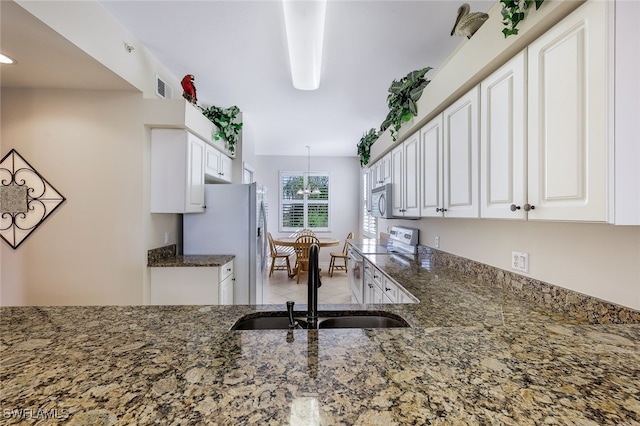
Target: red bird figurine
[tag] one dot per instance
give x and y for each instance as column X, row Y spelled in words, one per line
column 189, row 89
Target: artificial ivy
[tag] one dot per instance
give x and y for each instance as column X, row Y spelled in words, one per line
column 225, row 121
column 364, row 147
column 402, row 98
column 513, row 11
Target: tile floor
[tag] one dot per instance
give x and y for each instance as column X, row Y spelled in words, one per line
column 334, row 289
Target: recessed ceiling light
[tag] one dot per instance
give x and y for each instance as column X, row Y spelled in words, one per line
column 4, row 59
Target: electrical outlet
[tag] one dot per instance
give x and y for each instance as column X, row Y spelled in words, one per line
column 520, row 261
column 437, row 242
column 166, row 238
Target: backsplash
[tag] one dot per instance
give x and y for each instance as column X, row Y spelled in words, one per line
column 569, row 302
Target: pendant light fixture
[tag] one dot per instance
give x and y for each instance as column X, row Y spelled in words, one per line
column 304, row 24
column 308, row 190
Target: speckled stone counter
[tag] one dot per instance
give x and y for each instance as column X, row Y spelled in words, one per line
column 475, row 355
column 166, row 257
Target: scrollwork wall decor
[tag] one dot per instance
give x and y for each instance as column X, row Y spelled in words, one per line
column 26, row 199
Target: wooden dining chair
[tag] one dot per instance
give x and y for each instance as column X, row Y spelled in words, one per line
column 342, row 255
column 275, row 255
column 301, row 247
column 305, row 232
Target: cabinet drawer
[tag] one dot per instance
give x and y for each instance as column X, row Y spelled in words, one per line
column 225, row 271
column 390, row 289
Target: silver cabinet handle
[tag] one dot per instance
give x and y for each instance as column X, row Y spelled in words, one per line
column 528, row 207
column 513, row 207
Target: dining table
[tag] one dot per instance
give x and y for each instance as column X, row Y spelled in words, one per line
column 322, row 241
column 290, row 241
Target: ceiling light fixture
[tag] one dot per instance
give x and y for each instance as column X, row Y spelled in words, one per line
column 307, row 190
column 4, row 59
column 304, row 22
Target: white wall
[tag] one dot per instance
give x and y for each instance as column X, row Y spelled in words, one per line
column 93, row 148
column 599, row 260
column 345, row 175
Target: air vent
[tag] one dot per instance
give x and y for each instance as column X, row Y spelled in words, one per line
column 163, row 90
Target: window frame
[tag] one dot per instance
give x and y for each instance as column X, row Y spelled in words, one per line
column 368, row 223
column 305, row 200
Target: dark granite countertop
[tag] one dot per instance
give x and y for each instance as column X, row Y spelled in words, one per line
column 192, row 260
column 166, row 257
column 476, row 354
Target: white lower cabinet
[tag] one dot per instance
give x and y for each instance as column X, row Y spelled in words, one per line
column 211, row 285
column 379, row 288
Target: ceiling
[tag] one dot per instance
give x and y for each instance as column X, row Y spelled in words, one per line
column 237, row 52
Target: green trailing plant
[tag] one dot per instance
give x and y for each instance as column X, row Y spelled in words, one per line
column 402, row 98
column 227, row 126
column 513, row 11
column 364, row 146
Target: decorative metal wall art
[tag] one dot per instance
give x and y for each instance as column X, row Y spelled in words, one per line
column 26, row 199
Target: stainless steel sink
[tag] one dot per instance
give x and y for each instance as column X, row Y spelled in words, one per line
column 362, row 321
column 328, row 319
column 264, row 323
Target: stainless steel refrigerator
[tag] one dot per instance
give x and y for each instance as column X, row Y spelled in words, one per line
column 234, row 222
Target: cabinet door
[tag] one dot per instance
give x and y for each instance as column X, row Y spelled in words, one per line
column 411, row 184
column 212, row 162
column 225, row 168
column 390, row 290
column 431, row 173
column 184, row 286
column 397, row 180
column 375, row 177
column 503, row 142
column 225, row 294
column 567, row 152
column 461, row 152
column 384, row 172
column 194, row 201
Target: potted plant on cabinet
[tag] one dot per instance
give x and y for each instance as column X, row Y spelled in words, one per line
column 225, row 120
column 364, row 146
column 402, row 98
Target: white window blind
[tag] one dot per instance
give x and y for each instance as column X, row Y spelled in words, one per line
column 298, row 211
column 369, row 223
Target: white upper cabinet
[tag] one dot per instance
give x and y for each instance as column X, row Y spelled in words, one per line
column 503, row 160
column 212, row 162
column 405, row 160
column 397, row 174
column 461, row 152
column 431, row 169
column 411, row 190
column 567, row 118
column 177, row 171
column 381, row 172
column 217, row 166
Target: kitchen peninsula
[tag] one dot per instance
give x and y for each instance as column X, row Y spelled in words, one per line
column 475, row 354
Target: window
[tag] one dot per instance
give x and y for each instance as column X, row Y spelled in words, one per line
column 298, row 211
column 369, row 223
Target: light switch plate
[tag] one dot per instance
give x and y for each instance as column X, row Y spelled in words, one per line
column 520, row 261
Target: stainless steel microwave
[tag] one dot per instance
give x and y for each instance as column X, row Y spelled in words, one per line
column 381, row 201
